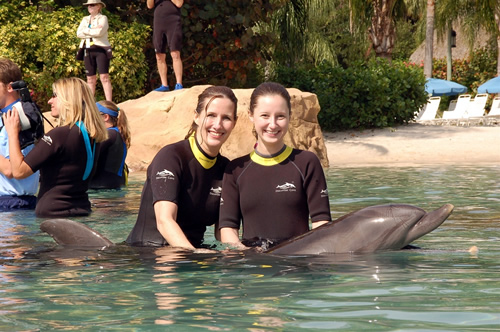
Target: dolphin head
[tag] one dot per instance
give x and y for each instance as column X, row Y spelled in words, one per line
column 379, row 227
column 71, row 233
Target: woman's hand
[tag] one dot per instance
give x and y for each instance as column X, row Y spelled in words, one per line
column 11, row 122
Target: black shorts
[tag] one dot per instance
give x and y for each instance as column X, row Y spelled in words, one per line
column 96, row 59
column 167, row 28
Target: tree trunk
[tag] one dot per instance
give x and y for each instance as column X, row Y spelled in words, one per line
column 429, row 39
column 383, row 32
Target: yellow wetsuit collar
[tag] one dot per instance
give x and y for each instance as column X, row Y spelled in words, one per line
column 204, row 160
column 272, row 160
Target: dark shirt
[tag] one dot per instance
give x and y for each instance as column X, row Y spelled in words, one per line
column 177, row 175
column 61, row 157
column 109, row 173
column 274, row 197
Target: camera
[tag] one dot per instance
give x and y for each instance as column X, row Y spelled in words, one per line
column 22, row 88
column 24, row 93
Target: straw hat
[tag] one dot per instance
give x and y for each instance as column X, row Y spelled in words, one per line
column 94, row 2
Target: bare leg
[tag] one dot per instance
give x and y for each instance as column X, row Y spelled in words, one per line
column 162, row 67
column 106, row 85
column 91, row 81
column 177, row 65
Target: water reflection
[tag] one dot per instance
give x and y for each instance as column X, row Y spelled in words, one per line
column 441, row 287
column 167, row 299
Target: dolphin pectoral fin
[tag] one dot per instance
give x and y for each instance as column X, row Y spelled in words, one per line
column 429, row 222
column 71, row 233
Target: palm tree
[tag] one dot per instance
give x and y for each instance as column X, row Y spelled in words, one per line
column 429, row 39
column 299, row 25
column 378, row 18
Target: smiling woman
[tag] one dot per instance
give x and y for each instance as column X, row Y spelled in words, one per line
column 181, row 196
column 276, row 188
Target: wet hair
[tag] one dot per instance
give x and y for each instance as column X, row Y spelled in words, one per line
column 206, row 98
column 121, row 122
column 9, row 71
column 76, row 103
column 269, row 89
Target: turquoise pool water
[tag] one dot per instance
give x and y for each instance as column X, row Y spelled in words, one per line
column 441, row 287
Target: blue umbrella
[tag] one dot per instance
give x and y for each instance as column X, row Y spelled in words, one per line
column 437, row 87
column 491, row 86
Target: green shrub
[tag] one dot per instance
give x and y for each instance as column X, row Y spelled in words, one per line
column 44, row 45
column 471, row 72
column 371, row 95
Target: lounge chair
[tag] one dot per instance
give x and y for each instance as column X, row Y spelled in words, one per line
column 452, row 105
column 429, row 110
column 494, row 115
column 475, row 111
column 458, row 113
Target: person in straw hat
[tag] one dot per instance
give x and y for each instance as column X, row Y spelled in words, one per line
column 93, row 32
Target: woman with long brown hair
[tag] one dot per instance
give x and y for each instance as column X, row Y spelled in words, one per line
column 181, row 196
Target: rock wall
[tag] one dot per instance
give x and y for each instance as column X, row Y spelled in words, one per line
column 161, row 118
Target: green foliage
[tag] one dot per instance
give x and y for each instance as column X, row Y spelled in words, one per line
column 471, row 72
column 375, row 94
column 222, row 40
column 406, row 42
column 44, row 45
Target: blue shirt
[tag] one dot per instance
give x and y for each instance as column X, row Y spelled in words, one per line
column 13, row 187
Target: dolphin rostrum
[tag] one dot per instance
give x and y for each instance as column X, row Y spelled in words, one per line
column 379, row 227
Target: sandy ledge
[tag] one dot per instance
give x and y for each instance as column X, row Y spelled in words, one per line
column 414, row 145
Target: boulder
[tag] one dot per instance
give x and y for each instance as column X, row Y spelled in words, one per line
column 161, row 118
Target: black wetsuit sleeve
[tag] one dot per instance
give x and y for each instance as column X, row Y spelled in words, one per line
column 230, row 212
column 316, row 189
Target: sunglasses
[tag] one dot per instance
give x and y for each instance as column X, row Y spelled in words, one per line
column 92, row 5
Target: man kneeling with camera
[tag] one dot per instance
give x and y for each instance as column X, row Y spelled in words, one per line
column 17, row 194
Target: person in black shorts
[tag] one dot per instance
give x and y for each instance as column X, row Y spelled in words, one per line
column 93, row 32
column 167, row 30
column 274, row 190
column 111, row 171
column 66, row 155
column 181, row 195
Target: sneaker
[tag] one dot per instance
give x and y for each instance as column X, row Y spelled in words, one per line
column 162, row 88
column 178, row 86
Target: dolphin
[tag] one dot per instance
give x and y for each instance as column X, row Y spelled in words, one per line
column 374, row 228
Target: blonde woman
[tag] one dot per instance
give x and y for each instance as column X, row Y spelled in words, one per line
column 111, row 171
column 93, row 32
column 66, row 155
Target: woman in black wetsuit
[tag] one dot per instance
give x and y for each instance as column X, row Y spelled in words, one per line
column 112, row 172
column 274, row 191
column 181, row 196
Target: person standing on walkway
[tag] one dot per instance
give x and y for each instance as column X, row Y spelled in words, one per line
column 167, row 31
column 93, row 32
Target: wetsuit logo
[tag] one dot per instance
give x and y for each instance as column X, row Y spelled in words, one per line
column 286, row 187
column 47, row 139
column 165, row 175
column 216, row 191
column 324, row 193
